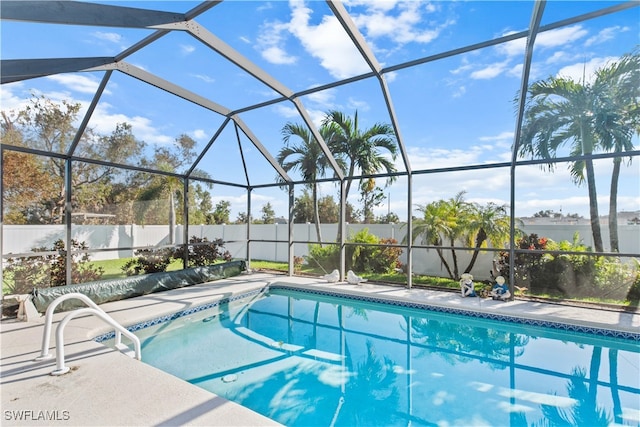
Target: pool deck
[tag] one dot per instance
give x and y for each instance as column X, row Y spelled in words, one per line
column 108, row 388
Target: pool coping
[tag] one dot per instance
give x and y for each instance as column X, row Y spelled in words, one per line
column 106, row 387
column 555, row 325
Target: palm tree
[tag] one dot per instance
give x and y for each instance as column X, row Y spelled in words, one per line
column 561, row 110
column 488, row 223
column 306, row 157
column 619, row 122
column 170, row 159
column 444, row 220
column 361, row 149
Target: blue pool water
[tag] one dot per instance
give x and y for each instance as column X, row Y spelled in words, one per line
column 305, row 359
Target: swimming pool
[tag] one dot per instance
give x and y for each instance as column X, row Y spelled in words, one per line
column 312, row 359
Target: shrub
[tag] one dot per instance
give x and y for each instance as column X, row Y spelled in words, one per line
column 203, row 252
column 360, row 258
column 148, row 261
column 326, row 257
column 633, row 295
column 24, row 274
column 571, row 275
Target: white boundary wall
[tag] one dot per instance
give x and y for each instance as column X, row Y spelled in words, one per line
column 20, row 239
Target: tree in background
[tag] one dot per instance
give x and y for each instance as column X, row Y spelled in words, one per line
column 329, row 210
column 50, row 126
column 306, row 156
column 388, row 218
column 587, row 116
column 456, row 220
column 242, row 218
column 371, row 150
column 268, row 214
column 221, row 212
column 487, row 224
column 371, row 197
column 303, row 208
column 25, row 182
column 619, row 124
column 444, row 221
column 26, row 189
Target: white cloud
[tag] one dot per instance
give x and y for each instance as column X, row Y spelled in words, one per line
column 10, row 100
column 391, row 76
column 325, row 98
column 605, row 35
column 271, row 43
column 514, row 47
column 552, row 38
column 354, row 104
column 403, row 26
column 502, row 137
column 204, row 78
column 104, row 122
column 490, row 71
column 82, row 83
column 466, row 66
column 558, row 56
column 199, row 134
column 286, row 111
column 584, row 71
column 187, row 49
column 264, row 6
column 459, row 92
column 560, row 37
column 515, row 71
column 109, row 37
column 277, row 55
column 433, row 158
column 328, row 42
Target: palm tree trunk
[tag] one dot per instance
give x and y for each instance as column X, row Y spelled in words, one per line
column 314, row 192
column 346, row 195
column 455, row 262
column 593, row 206
column 445, row 263
column 613, row 207
column 172, row 219
column 482, row 236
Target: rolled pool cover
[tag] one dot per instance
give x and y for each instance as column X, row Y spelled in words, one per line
column 101, row 291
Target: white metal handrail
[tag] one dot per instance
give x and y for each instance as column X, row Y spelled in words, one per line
column 92, row 309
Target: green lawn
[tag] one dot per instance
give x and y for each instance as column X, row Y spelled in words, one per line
column 113, row 267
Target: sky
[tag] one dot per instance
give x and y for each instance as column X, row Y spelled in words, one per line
column 453, row 112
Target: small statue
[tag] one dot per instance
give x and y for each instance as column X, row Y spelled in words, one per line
column 500, row 290
column 467, row 286
column 332, row 277
column 354, row 279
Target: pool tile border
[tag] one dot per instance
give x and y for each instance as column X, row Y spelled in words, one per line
column 166, row 318
column 603, row 332
column 627, row 335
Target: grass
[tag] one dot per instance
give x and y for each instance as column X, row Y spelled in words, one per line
column 269, row 265
column 396, row 278
column 113, row 267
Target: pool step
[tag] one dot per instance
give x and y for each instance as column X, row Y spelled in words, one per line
column 126, row 350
